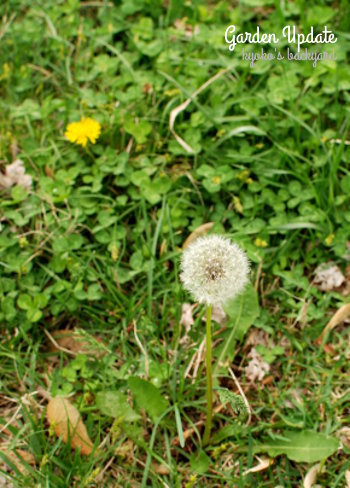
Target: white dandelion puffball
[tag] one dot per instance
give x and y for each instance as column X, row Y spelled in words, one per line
column 214, row 269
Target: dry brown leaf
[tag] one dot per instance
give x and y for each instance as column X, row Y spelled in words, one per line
column 347, row 478
column 27, row 456
column 199, row 231
column 186, row 315
column 346, row 288
column 67, row 423
column 218, row 315
column 257, row 337
column 15, row 174
column 295, row 394
column 188, row 29
column 12, row 455
column 328, row 276
column 126, row 451
column 71, row 340
column 160, row 468
column 311, row 476
column 264, row 463
column 256, row 368
column 163, row 247
column 49, row 172
column 337, row 319
column 187, row 321
column 5, row 483
column 344, row 436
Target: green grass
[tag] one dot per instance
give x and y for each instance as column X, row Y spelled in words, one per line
column 95, row 244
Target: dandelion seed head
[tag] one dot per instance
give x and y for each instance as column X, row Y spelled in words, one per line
column 214, row 269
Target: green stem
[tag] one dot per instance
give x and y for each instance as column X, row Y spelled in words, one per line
column 208, row 420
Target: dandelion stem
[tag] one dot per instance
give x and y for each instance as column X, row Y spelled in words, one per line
column 208, row 420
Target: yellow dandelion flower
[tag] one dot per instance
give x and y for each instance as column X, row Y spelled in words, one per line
column 83, row 131
column 243, row 175
column 237, row 205
column 329, row 239
column 6, row 71
column 260, row 242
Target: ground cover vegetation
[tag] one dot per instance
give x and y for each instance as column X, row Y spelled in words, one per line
column 101, row 186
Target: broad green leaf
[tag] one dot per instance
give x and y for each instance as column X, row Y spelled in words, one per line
column 148, row 397
column 142, row 29
column 19, row 193
column 151, row 194
column 140, row 178
column 283, row 88
column 134, row 432
column 231, row 430
column 200, row 462
column 151, row 49
column 242, row 311
column 320, row 15
column 212, row 185
column 136, row 260
column 269, row 354
column 304, row 447
column 34, row 315
column 29, row 108
column 124, row 275
column 115, row 404
column 25, row 301
column 40, row 300
column 139, row 130
column 345, row 184
column 94, row 292
column 161, row 184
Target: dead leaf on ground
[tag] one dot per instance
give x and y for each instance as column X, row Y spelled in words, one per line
column 344, row 436
column 160, row 468
column 5, row 483
column 218, row 315
column 188, row 29
column 15, row 174
column 187, row 321
column 311, row 476
column 15, row 455
column 328, row 276
column 73, row 341
column 67, row 423
column 126, row 451
column 346, row 287
column 256, row 368
column 186, row 315
column 198, row 232
column 163, row 247
column 347, row 478
column 297, row 395
column 337, row 319
column 264, row 463
column 257, row 337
